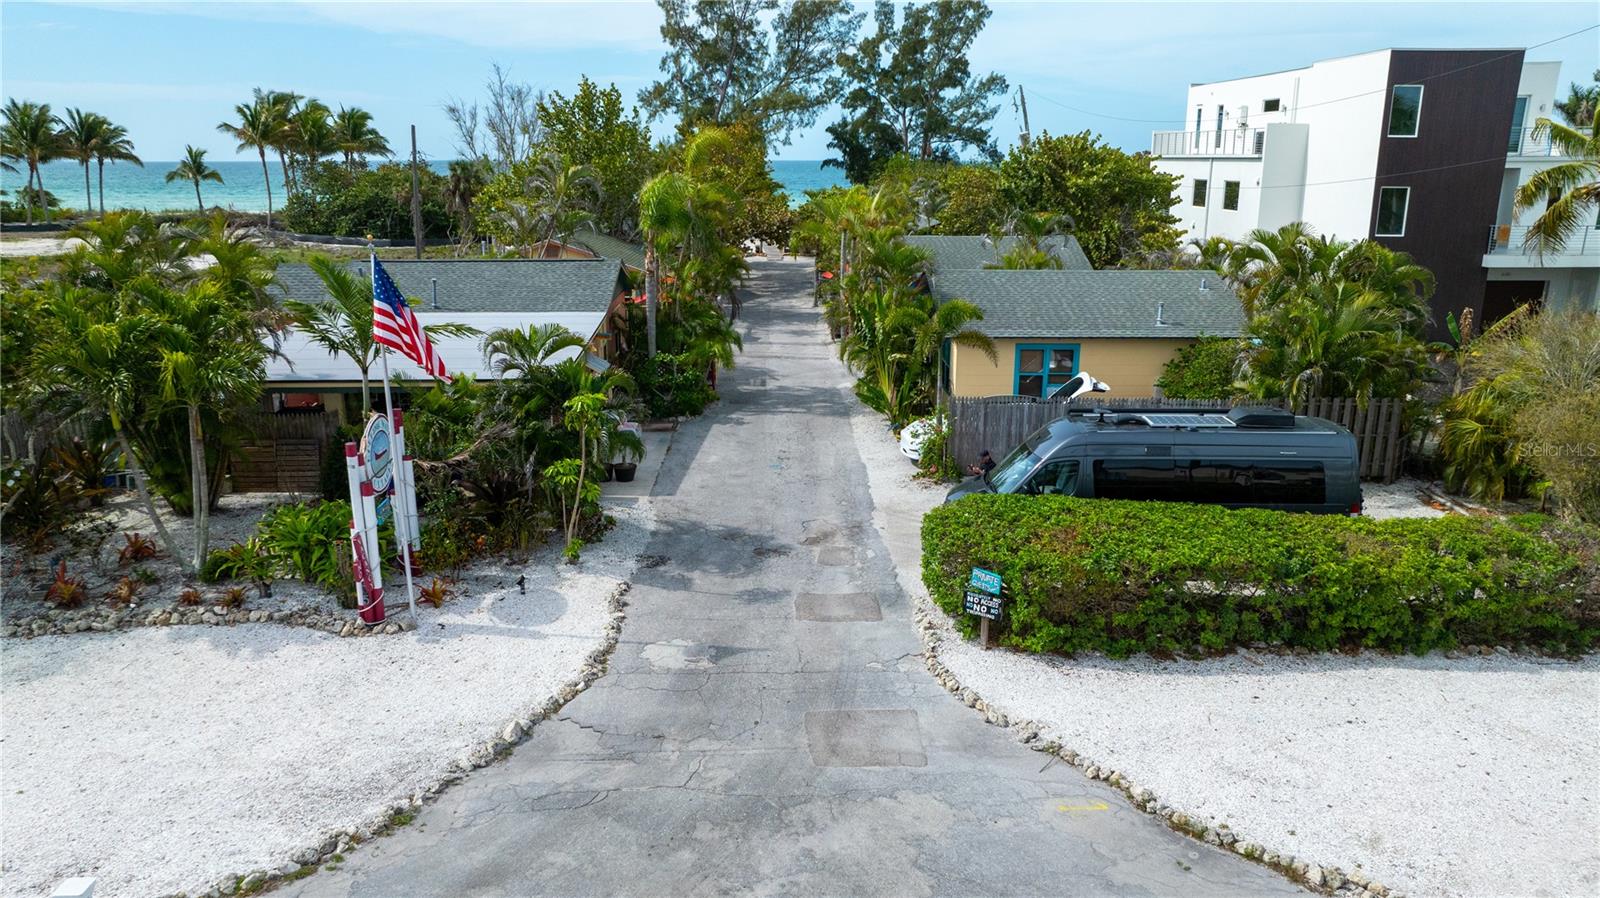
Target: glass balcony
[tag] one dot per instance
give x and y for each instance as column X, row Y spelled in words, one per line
column 1238, row 142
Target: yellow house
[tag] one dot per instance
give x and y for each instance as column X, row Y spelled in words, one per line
column 1047, row 326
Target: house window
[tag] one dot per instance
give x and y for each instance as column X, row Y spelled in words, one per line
column 1393, row 203
column 1271, row 105
column 1043, row 368
column 1519, row 120
column 1198, row 112
column 1405, row 110
column 1230, row 194
column 1219, row 126
column 1199, row 191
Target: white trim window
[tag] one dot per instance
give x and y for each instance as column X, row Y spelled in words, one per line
column 1405, row 110
column 1394, row 204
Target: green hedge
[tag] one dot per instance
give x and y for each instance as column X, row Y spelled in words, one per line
column 1126, row 577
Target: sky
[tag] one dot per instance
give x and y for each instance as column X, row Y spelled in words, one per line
column 170, row 71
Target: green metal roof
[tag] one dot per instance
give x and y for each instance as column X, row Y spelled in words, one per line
column 951, row 253
column 482, row 285
column 607, row 247
column 1087, row 304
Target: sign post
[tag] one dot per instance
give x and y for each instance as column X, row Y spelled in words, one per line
column 982, row 598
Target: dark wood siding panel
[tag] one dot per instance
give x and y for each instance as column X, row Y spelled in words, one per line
column 1453, row 166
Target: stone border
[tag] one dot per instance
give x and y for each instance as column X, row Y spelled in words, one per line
column 105, row 620
column 1326, row 879
column 332, row 850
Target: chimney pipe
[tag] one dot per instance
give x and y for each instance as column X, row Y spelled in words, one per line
column 1161, row 309
column 435, row 292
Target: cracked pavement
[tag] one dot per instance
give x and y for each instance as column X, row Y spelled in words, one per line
column 711, row 758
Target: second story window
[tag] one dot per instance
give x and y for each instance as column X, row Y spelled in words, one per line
column 1199, row 191
column 1405, row 110
column 1271, row 105
column 1393, row 204
column 1230, row 194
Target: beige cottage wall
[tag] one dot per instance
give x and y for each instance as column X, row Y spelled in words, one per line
column 1130, row 366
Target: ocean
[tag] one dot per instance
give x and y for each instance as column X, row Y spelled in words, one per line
column 131, row 187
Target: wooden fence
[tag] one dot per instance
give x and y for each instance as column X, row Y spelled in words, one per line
column 19, row 440
column 283, row 453
column 999, row 423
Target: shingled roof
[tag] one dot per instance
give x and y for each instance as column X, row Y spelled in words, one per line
column 532, row 286
column 607, row 247
column 953, row 253
column 1061, row 304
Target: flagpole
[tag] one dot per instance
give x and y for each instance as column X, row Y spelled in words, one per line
column 388, row 410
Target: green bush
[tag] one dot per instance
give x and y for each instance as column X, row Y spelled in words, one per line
column 672, row 386
column 1201, row 370
column 1125, row 577
column 335, row 200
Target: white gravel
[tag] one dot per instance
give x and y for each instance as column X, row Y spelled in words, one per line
column 1433, row 776
column 38, row 246
column 161, row 758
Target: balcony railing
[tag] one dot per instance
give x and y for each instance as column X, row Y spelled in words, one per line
column 1228, row 142
column 1507, row 240
column 1525, row 143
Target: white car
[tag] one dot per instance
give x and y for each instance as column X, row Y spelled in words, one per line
column 915, row 435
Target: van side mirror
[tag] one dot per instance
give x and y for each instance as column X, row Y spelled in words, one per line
column 1100, row 387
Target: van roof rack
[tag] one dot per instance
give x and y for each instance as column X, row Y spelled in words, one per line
column 1247, row 416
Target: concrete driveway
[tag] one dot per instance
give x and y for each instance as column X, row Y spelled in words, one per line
column 766, row 726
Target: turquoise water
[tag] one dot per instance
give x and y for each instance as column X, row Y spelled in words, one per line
column 128, row 186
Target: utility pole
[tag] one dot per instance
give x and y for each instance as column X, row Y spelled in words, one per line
column 416, row 196
column 1026, row 131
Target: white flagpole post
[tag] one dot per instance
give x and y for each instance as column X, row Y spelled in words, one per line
column 397, row 504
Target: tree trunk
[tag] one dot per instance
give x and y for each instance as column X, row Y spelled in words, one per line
column 366, row 395
column 197, row 200
column 199, row 487
column 88, row 194
column 266, row 175
column 27, row 192
column 143, row 490
column 283, row 160
column 652, row 294
column 101, row 177
column 43, row 200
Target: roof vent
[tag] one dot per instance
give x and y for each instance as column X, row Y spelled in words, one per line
column 435, row 304
column 1205, row 285
column 1161, row 314
column 1261, row 416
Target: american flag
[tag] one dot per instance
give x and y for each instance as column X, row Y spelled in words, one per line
column 396, row 326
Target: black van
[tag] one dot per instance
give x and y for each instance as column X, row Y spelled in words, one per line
column 1243, row 457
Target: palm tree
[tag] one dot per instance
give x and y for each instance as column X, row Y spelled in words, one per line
column 1575, row 184
column 103, row 355
column 512, row 352
column 281, row 108
column 565, row 196
column 1334, row 338
column 342, row 324
column 115, row 146
column 194, row 168
column 664, row 216
column 356, row 138
column 210, row 357
column 467, row 177
column 255, row 131
column 311, row 134
column 1031, row 232
column 30, row 136
column 80, row 136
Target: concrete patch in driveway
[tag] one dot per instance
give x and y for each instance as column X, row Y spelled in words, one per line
column 837, row 607
column 865, row 738
column 836, row 556
column 677, row 654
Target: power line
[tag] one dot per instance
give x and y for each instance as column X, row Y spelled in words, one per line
column 1168, row 121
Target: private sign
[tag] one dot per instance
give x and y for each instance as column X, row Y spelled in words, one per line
column 983, row 594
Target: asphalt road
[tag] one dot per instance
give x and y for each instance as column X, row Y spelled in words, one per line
column 766, row 726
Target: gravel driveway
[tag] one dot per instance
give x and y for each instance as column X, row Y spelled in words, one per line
column 162, row 758
column 1434, row 776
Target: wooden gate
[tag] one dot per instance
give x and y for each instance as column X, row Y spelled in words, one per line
column 284, row 453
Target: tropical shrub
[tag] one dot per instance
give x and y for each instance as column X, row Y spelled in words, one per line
column 1124, row 577
column 305, row 538
column 136, row 548
column 934, row 461
column 249, row 560
column 334, row 199
column 66, row 591
column 125, row 593
column 1201, row 370
column 672, row 385
column 39, row 501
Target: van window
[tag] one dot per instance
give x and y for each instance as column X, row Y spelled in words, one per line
column 1056, row 478
column 1275, row 482
column 1140, row 478
column 1009, row 473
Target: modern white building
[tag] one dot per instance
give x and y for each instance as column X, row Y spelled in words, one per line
column 1421, row 150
